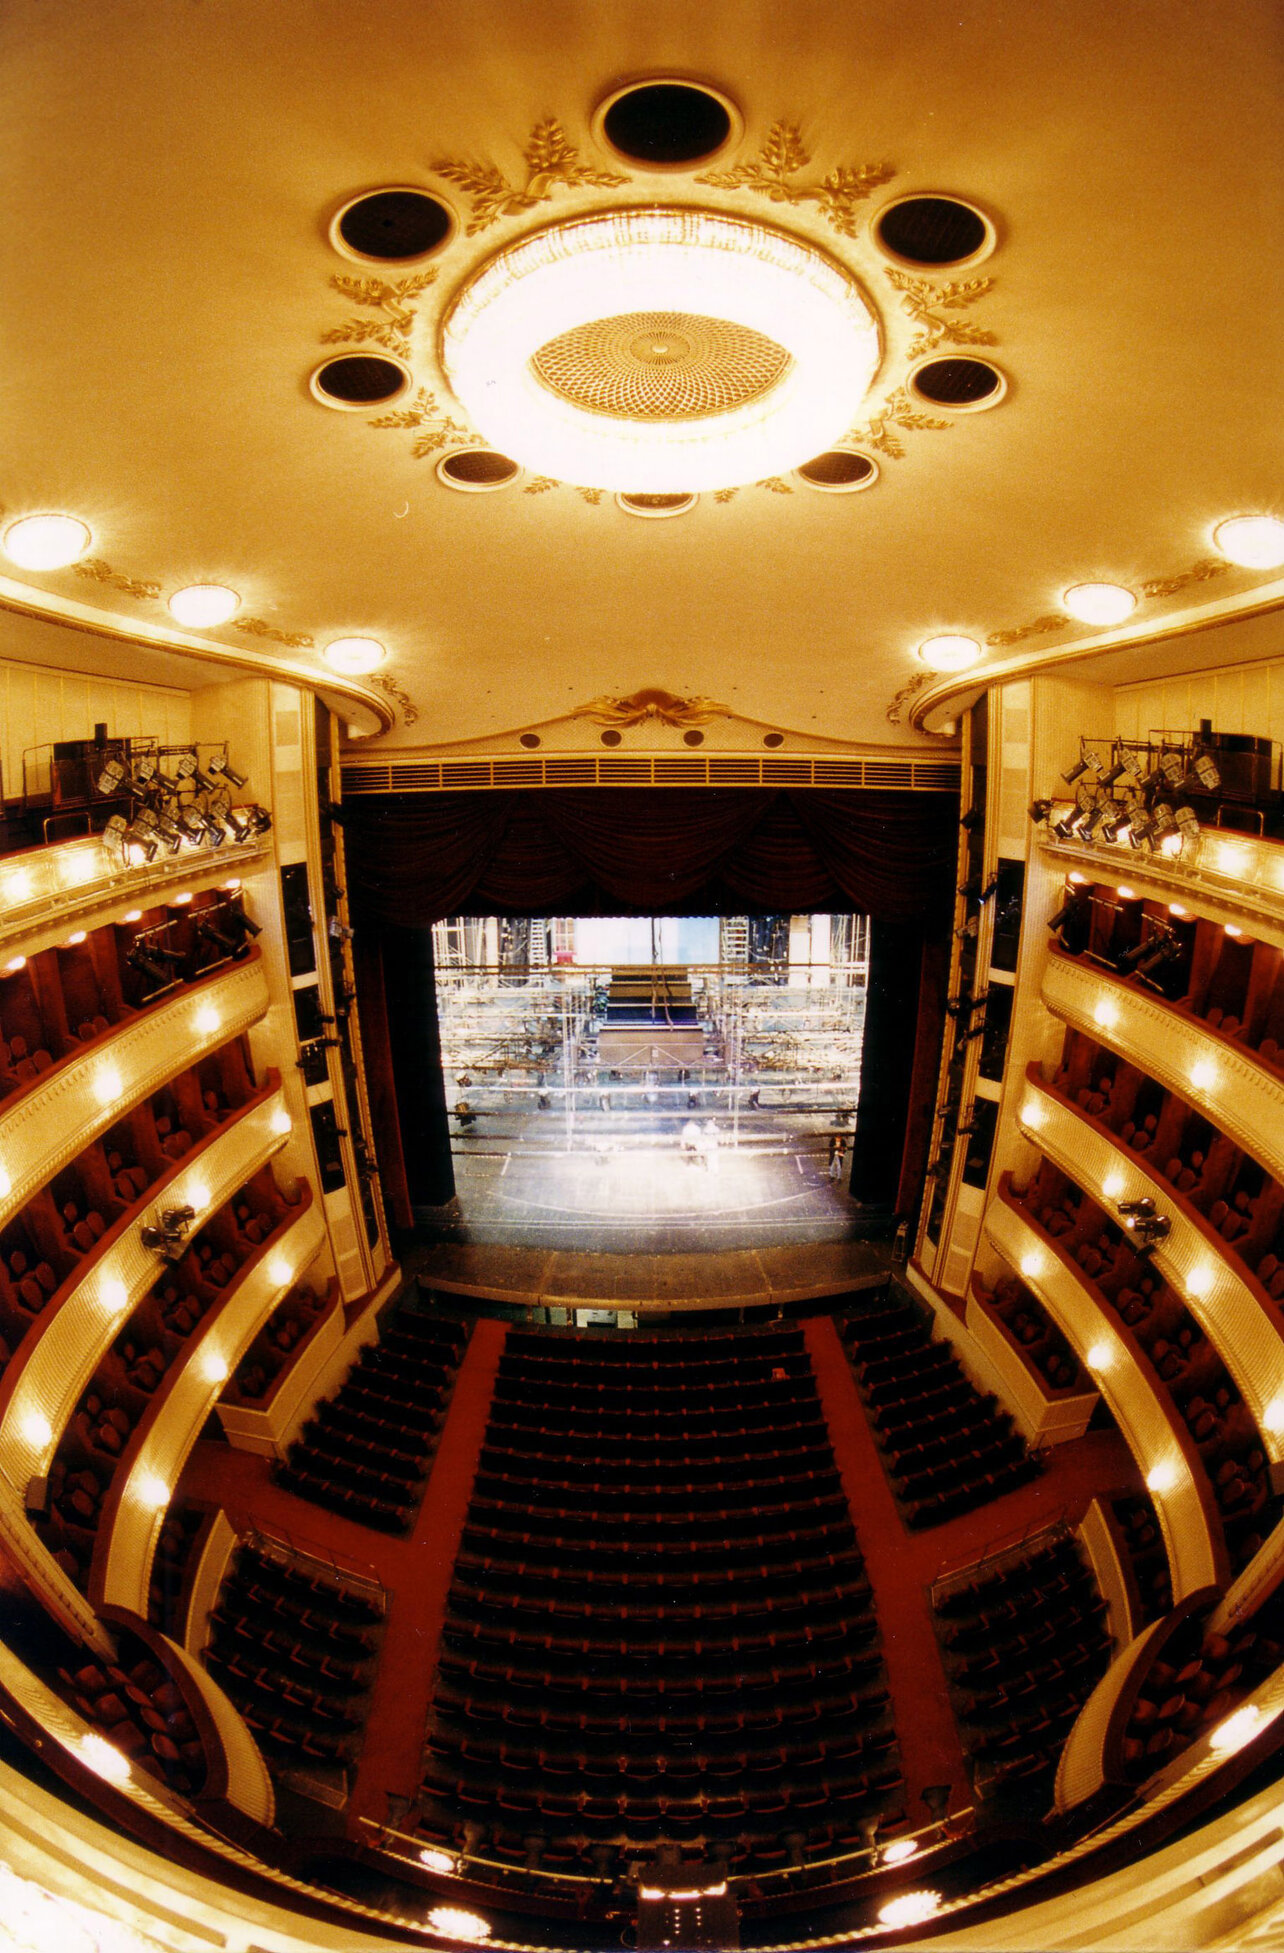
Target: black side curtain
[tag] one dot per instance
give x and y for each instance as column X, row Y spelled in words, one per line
column 416, row 858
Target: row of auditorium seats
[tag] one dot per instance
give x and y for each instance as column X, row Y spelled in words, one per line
column 1198, row 1679
column 295, row 1649
column 659, row 1624
column 69, row 995
column 1032, row 1329
column 96, row 1441
column 1237, row 1198
column 269, row 1355
column 183, row 1527
column 365, row 1452
column 1143, row 1545
column 139, row 1710
column 1184, row 1364
column 1024, row 1646
column 946, row 1449
column 43, row 1246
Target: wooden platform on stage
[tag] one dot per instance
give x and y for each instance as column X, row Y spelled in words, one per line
column 641, row 1045
column 657, row 1284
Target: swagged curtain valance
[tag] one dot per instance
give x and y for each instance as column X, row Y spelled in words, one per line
column 416, row 858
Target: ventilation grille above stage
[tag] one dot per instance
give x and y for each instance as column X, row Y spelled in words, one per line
column 660, row 770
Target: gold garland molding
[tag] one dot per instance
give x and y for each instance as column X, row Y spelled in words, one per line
column 929, row 306
column 897, row 411
column 652, row 703
column 437, row 429
column 552, row 161
column 256, row 627
column 1054, row 621
column 782, row 155
column 391, row 689
column 393, row 301
column 133, row 586
column 912, row 687
column 1201, row 572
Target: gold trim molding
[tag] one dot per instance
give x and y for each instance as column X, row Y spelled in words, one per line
column 393, row 329
column 552, row 161
column 651, row 703
column 780, row 158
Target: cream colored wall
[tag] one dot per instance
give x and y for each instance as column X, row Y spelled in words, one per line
column 1237, row 698
column 39, row 705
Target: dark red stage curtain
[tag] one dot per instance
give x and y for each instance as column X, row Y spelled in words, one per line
column 416, row 858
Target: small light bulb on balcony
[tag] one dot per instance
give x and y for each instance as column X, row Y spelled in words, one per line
column 1032, row 1113
column 1232, row 929
column 899, row 1850
column 207, row 1020
column 232, row 886
column 152, row 1492
column 1113, row 1185
column 1075, row 877
column 17, row 887
column 180, row 901
column 6, row 1184
column 1106, row 1013
column 1161, row 1478
column 1237, row 1729
column 280, row 1121
column 1199, row 1282
column 1171, row 845
column 215, row 1368
column 77, row 937
column 1203, row 1074
column 15, row 964
column 198, row 1195
column 436, row 1859
column 1126, row 894
column 1273, row 1415
column 108, row 1085
column 279, row 1271
column 910, row 1909
column 36, row 1429
column 452, row 1922
column 1178, row 908
column 1032, row 1266
column 133, row 915
column 1099, row 1357
column 113, row 1295
column 104, row 1758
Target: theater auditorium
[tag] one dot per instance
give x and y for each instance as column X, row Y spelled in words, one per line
column 641, row 976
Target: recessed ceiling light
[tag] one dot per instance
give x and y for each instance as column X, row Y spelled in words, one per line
column 1099, row 603
column 949, row 652
column 354, row 656
column 1254, row 541
column 202, row 605
column 45, row 542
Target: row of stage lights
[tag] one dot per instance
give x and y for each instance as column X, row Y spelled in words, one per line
column 1133, row 801
column 190, row 807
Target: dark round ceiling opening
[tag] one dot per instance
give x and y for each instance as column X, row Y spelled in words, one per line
column 839, row 468
column 667, row 123
column 656, row 504
column 957, row 382
column 479, row 468
column 932, row 230
column 395, row 225
column 360, row 379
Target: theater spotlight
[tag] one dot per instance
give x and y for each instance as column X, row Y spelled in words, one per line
column 1086, row 763
column 111, row 779
column 1039, row 811
column 248, row 822
column 142, row 776
column 1137, row 1209
column 1092, row 821
column 1069, row 908
column 1150, row 1232
column 1188, row 826
column 1124, row 768
column 209, row 932
column 1066, row 828
column 218, row 766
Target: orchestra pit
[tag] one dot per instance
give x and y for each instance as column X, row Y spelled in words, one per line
column 641, row 977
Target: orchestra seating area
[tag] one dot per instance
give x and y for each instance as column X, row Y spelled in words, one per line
column 945, row 1447
column 296, row 1651
column 659, row 1623
column 1024, row 1647
column 366, row 1451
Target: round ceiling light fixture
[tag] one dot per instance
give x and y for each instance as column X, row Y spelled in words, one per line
column 354, row 656
column 1256, row 542
column 1099, row 603
column 202, row 605
column 949, row 652
column 45, row 542
column 661, row 351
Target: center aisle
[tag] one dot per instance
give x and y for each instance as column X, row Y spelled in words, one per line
column 392, row 1753
column 925, row 1728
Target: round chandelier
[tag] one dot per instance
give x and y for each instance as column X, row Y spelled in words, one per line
column 661, row 351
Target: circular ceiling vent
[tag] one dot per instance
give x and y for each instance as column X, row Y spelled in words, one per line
column 656, row 506
column 666, row 124
column 960, row 384
column 935, row 231
column 357, row 380
column 839, row 471
column 475, row 470
column 395, row 226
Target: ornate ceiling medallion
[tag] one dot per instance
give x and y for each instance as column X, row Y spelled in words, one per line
column 660, row 351
column 651, row 703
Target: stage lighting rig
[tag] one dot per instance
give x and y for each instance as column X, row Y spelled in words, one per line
column 110, row 781
column 169, row 1238
column 1039, row 811
column 1087, row 762
column 217, row 765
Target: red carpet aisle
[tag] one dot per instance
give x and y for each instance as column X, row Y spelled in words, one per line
column 925, row 1728
column 902, row 1565
column 416, row 1572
